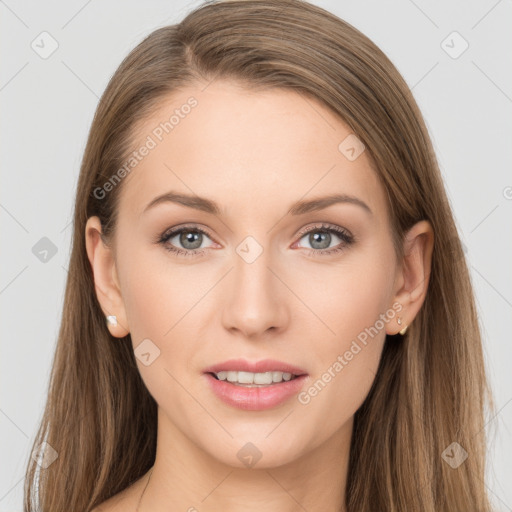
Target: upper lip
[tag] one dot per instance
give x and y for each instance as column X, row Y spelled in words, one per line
column 265, row 365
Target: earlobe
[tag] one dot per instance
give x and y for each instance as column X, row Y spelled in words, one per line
column 414, row 274
column 106, row 282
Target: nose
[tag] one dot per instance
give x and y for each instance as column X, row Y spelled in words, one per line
column 255, row 301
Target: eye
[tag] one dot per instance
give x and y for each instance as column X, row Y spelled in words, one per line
column 321, row 237
column 190, row 238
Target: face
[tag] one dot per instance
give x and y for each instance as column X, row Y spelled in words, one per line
column 256, row 280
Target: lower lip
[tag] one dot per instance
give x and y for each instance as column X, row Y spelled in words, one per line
column 256, row 398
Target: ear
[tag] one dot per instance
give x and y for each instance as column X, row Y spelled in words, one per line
column 413, row 274
column 106, row 282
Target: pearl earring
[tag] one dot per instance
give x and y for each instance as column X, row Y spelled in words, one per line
column 112, row 320
column 399, row 322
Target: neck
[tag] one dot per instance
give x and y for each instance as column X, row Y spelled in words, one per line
column 188, row 478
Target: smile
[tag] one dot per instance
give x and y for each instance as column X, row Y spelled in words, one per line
column 255, row 385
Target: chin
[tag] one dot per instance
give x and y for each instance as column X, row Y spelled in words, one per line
column 259, row 451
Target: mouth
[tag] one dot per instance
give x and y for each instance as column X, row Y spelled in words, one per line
column 255, row 386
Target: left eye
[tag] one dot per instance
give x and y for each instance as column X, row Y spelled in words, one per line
column 320, row 239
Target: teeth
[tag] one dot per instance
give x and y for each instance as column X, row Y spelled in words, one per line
column 265, row 378
column 245, row 377
column 232, row 376
column 277, row 376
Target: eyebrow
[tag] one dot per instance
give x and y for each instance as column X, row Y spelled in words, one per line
column 298, row 208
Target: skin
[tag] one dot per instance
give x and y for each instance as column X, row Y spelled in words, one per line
column 273, row 148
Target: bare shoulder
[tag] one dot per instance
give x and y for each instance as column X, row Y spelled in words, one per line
column 122, row 501
column 114, row 504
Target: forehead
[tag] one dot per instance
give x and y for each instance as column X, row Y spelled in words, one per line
column 246, row 150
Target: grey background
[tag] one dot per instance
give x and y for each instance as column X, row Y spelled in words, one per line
column 47, row 107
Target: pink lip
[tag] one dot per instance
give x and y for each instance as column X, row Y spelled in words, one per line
column 265, row 365
column 255, row 398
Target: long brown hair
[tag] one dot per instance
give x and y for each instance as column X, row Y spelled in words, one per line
column 430, row 389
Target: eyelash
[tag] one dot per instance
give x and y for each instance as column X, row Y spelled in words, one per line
column 345, row 236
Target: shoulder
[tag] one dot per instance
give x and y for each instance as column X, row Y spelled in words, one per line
column 113, row 504
column 122, row 501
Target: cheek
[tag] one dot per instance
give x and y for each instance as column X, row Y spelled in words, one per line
column 158, row 307
column 154, row 297
column 355, row 305
column 350, row 300
column 156, row 292
column 146, row 305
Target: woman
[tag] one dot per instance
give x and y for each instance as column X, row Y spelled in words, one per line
column 268, row 306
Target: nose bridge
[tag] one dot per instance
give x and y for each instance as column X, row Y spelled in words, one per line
column 255, row 302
